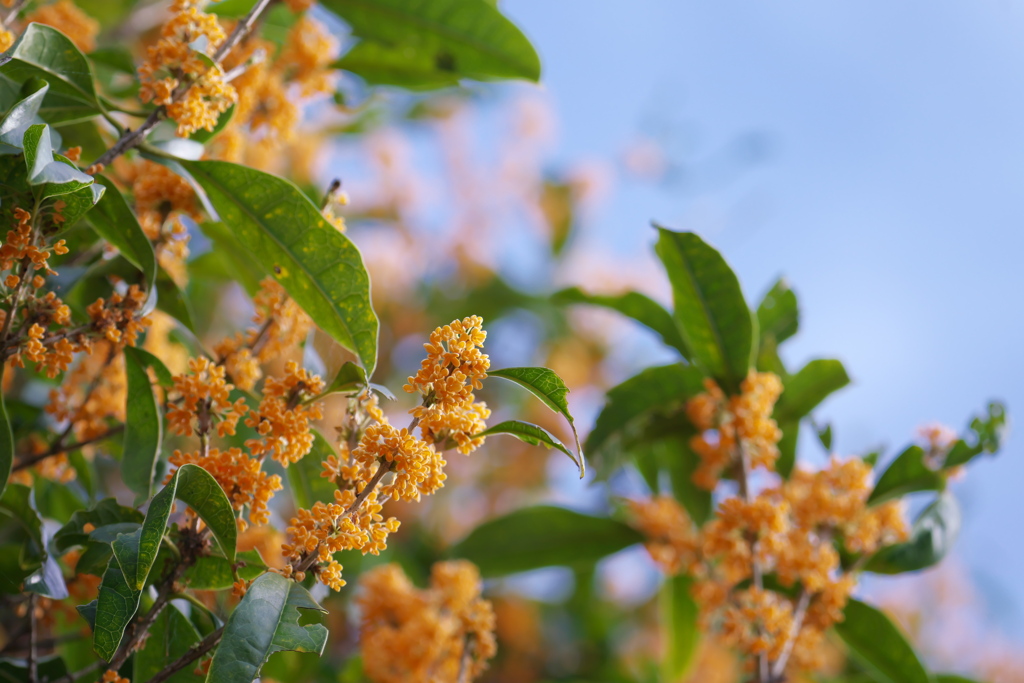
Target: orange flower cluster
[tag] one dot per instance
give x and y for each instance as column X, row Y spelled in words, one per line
column 280, row 325
column 307, row 56
column 204, row 399
column 64, row 16
column 441, row 633
column 453, row 369
column 790, row 532
column 7, row 39
column 241, row 477
column 162, row 197
column 282, row 420
column 390, row 463
column 734, row 424
column 93, row 392
column 118, row 319
column 173, row 65
column 111, row 676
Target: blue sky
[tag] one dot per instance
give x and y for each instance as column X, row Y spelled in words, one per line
column 890, row 196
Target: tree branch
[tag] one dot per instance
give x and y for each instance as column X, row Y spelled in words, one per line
column 193, row 653
column 58, row 448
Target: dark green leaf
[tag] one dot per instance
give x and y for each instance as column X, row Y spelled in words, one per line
column 163, row 375
column 429, row 44
column 17, row 501
column 531, row 434
column 543, row 536
column 679, row 616
column 787, row 446
column 116, row 605
column 203, row 136
column 825, row 436
column 115, row 222
column 907, row 473
column 778, row 315
column 934, row 532
column 879, row 645
column 266, row 621
column 46, row 53
column 805, row 390
column 104, row 513
column 47, row 669
column 680, row 461
column 212, row 572
column 318, row 266
column 639, row 307
column 304, row 478
column 630, row 406
column 546, row 385
column 713, row 317
column 143, row 427
column 172, row 301
column 170, row 636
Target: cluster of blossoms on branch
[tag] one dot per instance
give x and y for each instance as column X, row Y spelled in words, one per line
column 788, row 531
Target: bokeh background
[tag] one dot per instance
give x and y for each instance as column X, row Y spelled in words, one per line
column 871, row 153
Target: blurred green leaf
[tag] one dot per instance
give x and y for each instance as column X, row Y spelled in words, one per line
column 987, row 436
column 679, row 618
column 713, row 317
column 6, row 441
column 104, row 513
column 931, row 538
column 17, row 501
column 907, row 473
column 266, row 621
column 46, row 53
column 212, row 572
column 879, row 645
column 674, row 455
column 318, row 266
column 639, row 307
column 350, row 378
column 543, row 536
column 143, row 427
column 433, row 44
column 546, row 385
column 630, row 406
column 778, row 315
column 806, row 389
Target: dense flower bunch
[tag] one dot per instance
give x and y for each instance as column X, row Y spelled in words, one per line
column 176, row 76
column 388, row 463
column 282, row 418
column 242, row 478
column 791, row 531
column 441, row 633
column 162, row 198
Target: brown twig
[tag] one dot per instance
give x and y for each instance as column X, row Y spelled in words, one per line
column 33, row 669
column 58, row 448
column 193, row 653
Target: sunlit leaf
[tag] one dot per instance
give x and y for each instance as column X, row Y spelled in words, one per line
column 907, row 473
column 879, row 645
column 931, row 538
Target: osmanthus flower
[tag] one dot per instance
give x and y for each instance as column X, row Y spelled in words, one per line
column 92, row 393
column 67, row 18
column 174, row 75
column 728, row 424
column 162, row 198
column 282, row 418
column 203, row 398
column 240, row 475
column 111, row 676
column 672, row 538
column 307, row 55
column 431, row 634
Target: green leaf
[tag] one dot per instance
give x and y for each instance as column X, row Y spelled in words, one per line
column 630, row 406
column 546, row 385
column 430, row 44
column 143, row 427
column 778, row 315
column 163, row 375
column 116, row 605
column 47, row 579
column 679, row 616
column 47, row 669
column 639, row 307
column 531, row 434
column 6, row 441
column 170, row 636
column 931, row 538
column 319, row 267
column 350, row 379
column 787, row 446
column 266, row 621
column 44, row 52
column 805, row 390
column 306, row 484
column 47, row 176
column 18, row 119
column 543, row 536
column 115, row 222
column 987, row 436
column 212, row 572
column 879, row 645
column 226, row 244
column 713, row 317
column 172, row 301
column 104, row 513
column 906, row 474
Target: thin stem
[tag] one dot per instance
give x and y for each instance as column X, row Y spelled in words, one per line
column 779, row 669
column 33, row 669
column 57, row 449
column 13, row 12
column 193, row 653
column 743, row 479
column 242, row 28
column 75, row 675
